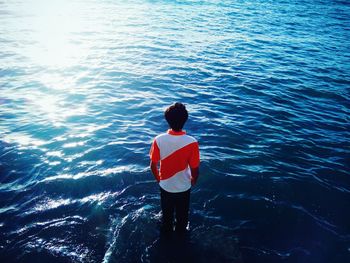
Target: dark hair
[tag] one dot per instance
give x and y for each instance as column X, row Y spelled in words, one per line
column 176, row 115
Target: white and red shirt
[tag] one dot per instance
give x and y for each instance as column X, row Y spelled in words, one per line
column 177, row 153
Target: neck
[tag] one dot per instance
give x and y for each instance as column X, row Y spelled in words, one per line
column 173, row 132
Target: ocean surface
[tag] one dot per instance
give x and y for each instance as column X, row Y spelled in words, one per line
column 83, row 88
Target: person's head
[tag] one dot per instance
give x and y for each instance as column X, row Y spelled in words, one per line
column 176, row 115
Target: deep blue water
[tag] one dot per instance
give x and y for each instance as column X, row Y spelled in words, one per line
column 83, row 87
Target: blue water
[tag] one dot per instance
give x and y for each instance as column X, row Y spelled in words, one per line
column 83, row 87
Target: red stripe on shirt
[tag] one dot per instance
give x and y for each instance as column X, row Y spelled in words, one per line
column 179, row 161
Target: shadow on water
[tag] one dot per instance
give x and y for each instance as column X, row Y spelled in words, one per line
column 137, row 238
column 200, row 245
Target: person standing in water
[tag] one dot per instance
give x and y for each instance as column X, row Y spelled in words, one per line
column 178, row 156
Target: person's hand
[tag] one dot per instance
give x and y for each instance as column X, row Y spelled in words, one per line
column 194, row 175
column 155, row 172
column 193, row 181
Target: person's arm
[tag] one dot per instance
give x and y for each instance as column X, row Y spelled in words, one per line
column 155, row 158
column 194, row 163
column 155, row 171
column 194, row 175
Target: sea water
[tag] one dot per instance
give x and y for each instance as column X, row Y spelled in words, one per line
column 83, row 88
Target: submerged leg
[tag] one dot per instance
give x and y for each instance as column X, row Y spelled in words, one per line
column 182, row 206
column 168, row 207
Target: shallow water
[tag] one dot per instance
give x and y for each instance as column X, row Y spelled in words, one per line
column 83, row 86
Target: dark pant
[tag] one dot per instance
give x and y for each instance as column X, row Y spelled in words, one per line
column 178, row 203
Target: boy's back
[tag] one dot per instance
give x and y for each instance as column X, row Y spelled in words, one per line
column 177, row 153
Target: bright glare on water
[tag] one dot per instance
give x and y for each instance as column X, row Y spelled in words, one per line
column 83, row 87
